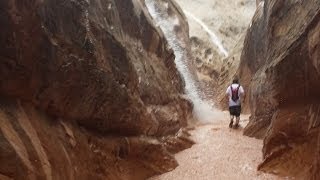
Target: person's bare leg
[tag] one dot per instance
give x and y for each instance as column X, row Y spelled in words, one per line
column 231, row 121
column 237, row 122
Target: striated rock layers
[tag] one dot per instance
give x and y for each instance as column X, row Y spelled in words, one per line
column 89, row 90
column 280, row 65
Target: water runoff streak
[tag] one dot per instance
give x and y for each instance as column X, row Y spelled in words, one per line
column 212, row 35
column 202, row 109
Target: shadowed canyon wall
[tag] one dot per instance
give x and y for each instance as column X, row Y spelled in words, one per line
column 89, row 90
column 280, row 66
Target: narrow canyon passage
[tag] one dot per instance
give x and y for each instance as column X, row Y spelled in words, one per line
column 131, row 90
column 219, row 153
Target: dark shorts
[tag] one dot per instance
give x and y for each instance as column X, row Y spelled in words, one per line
column 235, row 111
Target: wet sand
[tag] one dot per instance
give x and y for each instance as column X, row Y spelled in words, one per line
column 220, row 153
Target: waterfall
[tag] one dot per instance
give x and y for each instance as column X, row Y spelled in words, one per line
column 202, row 109
column 212, row 35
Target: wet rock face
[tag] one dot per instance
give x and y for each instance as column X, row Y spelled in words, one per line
column 37, row 146
column 280, row 61
column 207, row 63
column 228, row 20
column 99, row 64
column 83, row 60
column 258, row 2
column 229, row 70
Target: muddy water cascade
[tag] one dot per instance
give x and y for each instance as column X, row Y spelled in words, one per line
column 203, row 110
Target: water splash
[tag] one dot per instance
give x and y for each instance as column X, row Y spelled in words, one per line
column 202, row 109
column 212, row 35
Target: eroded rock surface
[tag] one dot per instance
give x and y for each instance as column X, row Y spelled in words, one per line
column 280, row 65
column 228, row 21
column 228, row 71
column 89, row 90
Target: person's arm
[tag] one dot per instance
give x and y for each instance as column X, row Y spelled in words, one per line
column 228, row 93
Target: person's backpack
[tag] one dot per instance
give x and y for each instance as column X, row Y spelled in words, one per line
column 235, row 93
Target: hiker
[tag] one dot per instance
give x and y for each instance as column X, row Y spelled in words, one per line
column 234, row 93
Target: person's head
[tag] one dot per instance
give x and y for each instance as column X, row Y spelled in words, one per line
column 235, row 80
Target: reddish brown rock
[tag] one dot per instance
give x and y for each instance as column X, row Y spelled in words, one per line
column 315, row 173
column 280, row 65
column 84, row 60
column 229, row 70
column 89, row 90
column 34, row 145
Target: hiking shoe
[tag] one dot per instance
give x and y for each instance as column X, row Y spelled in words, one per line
column 236, row 126
column 230, row 125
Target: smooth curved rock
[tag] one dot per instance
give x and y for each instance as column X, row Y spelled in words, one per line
column 280, row 65
column 83, row 60
column 97, row 85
